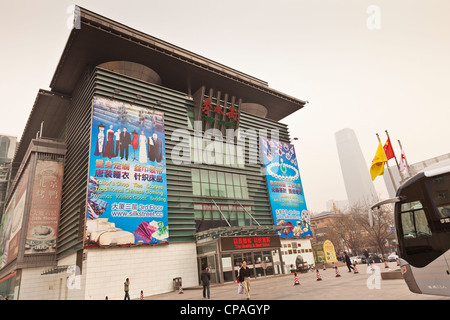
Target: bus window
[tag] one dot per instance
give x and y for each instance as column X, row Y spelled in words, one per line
column 439, row 191
column 414, row 223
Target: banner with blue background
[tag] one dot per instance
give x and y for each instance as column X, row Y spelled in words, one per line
column 285, row 188
column 127, row 190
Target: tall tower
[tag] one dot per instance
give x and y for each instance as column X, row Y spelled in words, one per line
column 358, row 184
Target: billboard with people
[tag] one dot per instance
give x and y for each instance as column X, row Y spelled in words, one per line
column 127, row 189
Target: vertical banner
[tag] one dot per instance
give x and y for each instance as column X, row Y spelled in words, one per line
column 45, row 206
column 127, row 190
column 11, row 224
column 285, row 188
column 330, row 253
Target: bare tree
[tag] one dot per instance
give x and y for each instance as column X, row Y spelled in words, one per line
column 379, row 233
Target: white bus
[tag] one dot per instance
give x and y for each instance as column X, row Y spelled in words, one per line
column 422, row 223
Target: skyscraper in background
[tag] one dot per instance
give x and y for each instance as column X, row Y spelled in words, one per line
column 358, row 184
column 7, row 150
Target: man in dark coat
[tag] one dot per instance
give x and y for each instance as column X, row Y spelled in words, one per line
column 348, row 262
column 206, row 277
column 125, row 141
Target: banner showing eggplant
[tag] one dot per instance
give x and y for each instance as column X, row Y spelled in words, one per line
column 127, row 190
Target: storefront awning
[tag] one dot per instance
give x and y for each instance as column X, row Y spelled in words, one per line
column 55, row 270
column 216, row 233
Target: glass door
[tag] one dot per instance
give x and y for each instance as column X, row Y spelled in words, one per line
column 258, row 264
column 237, row 263
column 267, row 263
column 227, row 268
column 209, row 261
column 248, row 257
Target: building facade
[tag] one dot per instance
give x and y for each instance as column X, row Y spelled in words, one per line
column 358, row 184
column 181, row 186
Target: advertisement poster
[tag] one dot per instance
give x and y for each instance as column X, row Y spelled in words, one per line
column 285, row 188
column 127, row 190
column 11, row 227
column 330, row 254
column 44, row 209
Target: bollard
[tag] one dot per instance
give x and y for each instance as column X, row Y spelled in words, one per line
column 337, row 272
column 296, row 281
column 318, row 275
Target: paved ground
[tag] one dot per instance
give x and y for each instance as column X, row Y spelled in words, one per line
column 349, row 286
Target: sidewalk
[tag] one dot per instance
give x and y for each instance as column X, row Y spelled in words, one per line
column 349, row 286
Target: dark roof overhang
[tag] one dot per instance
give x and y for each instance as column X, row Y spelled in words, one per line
column 48, row 114
column 99, row 39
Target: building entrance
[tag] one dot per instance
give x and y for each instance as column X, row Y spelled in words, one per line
column 224, row 257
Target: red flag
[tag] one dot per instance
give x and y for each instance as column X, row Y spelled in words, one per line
column 388, row 149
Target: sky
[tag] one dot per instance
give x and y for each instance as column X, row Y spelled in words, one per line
column 366, row 65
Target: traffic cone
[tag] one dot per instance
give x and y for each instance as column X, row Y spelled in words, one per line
column 180, row 291
column 142, row 295
column 355, row 270
column 296, row 282
column 318, row 275
column 337, row 272
column 385, row 264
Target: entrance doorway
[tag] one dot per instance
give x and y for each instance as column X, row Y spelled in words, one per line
column 260, row 263
column 209, row 261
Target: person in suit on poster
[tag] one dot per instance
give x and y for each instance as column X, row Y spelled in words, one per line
column 155, row 148
column 125, row 142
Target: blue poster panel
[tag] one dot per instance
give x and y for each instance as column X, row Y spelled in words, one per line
column 127, row 189
column 285, row 188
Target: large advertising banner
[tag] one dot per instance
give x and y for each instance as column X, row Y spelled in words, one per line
column 44, row 210
column 285, row 188
column 127, row 191
column 11, row 224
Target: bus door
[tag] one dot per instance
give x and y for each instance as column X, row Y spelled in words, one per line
column 438, row 189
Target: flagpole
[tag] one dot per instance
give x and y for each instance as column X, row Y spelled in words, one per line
column 395, row 157
column 407, row 163
column 390, row 173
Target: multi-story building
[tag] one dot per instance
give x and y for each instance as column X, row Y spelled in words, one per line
column 177, row 189
column 358, row 184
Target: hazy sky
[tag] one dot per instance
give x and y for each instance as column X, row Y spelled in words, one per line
column 394, row 78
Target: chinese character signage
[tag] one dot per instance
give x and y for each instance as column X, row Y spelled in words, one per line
column 127, row 191
column 249, row 242
column 226, row 116
column 44, row 209
column 285, row 188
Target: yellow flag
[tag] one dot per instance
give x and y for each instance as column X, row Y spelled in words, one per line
column 377, row 168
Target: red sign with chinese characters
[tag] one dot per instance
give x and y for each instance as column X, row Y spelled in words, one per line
column 232, row 113
column 250, row 243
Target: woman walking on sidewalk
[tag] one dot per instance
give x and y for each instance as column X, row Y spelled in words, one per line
column 244, row 278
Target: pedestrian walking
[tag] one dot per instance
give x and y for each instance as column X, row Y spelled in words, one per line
column 366, row 254
column 244, row 278
column 348, row 262
column 126, row 288
column 206, row 277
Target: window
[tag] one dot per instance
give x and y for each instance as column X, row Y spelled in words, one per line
column 210, row 183
column 208, row 216
column 217, row 152
column 439, row 191
column 414, row 221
